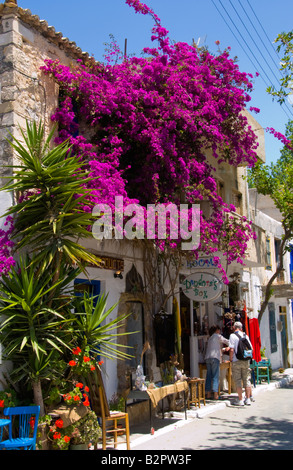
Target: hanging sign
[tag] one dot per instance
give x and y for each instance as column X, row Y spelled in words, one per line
column 202, row 287
column 206, row 263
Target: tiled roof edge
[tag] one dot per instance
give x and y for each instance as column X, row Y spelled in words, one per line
column 47, row 31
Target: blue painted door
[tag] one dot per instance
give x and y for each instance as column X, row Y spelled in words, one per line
column 92, row 287
column 84, row 285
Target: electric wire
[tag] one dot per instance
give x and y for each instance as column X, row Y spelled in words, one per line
column 261, row 26
column 249, row 34
column 243, row 39
column 260, row 38
column 249, row 49
column 264, row 45
column 255, row 67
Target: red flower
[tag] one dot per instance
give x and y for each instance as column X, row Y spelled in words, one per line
column 1, row 403
column 72, row 363
column 92, row 367
column 79, row 385
column 86, row 402
column 86, row 359
column 56, row 435
column 100, row 363
column 86, row 389
column 76, row 398
column 76, row 351
column 66, row 438
column 32, row 422
column 59, row 423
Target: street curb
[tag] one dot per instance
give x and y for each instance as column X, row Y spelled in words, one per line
column 210, row 409
column 258, row 389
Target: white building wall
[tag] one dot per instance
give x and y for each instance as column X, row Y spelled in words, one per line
column 269, row 219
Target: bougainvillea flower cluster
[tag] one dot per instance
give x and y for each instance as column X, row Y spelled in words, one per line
column 146, row 125
column 150, row 129
column 6, row 247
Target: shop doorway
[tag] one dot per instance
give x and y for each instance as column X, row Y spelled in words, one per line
column 164, row 333
column 185, row 331
column 135, row 341
column 193, row 327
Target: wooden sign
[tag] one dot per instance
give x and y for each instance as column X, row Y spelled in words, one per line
column 202, row 287
column 107, row 262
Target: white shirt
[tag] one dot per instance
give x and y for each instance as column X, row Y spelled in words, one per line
column 234, row 341
column 214, row 346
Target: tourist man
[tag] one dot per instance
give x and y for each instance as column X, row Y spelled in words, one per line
column 240, row 368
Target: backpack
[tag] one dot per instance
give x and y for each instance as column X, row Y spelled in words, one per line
column 244, row 351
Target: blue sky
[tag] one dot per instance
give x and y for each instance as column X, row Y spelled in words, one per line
column 249, row 27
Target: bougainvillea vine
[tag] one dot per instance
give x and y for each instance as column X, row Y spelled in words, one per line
column 151, row 129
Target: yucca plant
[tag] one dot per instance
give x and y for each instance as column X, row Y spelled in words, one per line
column 36, row 304
column 92, row 330
column 32, row 333
column 49, row 216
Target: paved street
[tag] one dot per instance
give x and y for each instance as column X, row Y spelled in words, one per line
column 266, row 424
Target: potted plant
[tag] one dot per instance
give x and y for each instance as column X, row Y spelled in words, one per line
column 58, row 436
column 263, row 353
column 117, row 403
column 86, row 432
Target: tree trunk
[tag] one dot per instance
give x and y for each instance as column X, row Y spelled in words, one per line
column 268, row 293
column 38, row 396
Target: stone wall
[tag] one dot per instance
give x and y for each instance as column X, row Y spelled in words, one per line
column 25, row 92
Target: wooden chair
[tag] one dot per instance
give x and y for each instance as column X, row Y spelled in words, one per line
column 197, row 392
column 110, row 419
column 263, row 370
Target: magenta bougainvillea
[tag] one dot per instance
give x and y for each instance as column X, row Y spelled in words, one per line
column 6, row 246
column 146, row 125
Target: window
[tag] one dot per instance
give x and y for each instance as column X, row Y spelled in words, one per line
column 268, row 253
column 277, row 249
column 236, row 201
column 221, row 189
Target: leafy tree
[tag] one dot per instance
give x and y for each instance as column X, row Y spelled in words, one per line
column 35, row 325
column 285, row 44
column 276, row 180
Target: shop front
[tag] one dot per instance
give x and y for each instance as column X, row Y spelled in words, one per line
column 200, row 293
column 205, row 301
